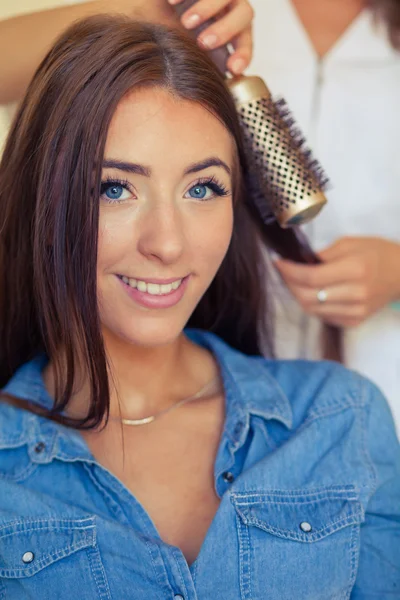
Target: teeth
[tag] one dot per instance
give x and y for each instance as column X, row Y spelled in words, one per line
column 154, row 289
column 166, row 288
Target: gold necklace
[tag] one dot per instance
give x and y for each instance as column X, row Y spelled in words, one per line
column 206, row 390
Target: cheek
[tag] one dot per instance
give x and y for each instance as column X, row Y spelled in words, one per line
column 113, row 239
column 211, row 241
column 106, row 248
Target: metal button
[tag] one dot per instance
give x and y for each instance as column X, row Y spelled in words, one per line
column 40, row 447
column 28, row 557
column 228, row 477
column 306, row 527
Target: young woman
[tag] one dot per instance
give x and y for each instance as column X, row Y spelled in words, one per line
column 140, row 459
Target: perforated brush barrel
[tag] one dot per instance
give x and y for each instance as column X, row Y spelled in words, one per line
column 281, row 170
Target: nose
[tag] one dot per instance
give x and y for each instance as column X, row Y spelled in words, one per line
column 162, row 235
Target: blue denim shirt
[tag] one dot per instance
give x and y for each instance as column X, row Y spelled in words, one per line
column 308, row 475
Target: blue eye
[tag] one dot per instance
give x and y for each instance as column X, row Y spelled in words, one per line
column 198, row 191
column 115, row 191
column 207, row 189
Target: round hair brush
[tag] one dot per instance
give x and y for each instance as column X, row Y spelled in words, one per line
column 286, row 183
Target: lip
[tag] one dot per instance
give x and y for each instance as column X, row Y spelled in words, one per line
column 165, row 301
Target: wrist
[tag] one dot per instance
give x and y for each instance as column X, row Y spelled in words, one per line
column 397, row 297
column 395, row 267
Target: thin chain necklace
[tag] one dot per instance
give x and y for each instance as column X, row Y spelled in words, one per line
column 206, row 390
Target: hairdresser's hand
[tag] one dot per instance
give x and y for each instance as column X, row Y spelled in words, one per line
column 360, row 275
column 233, row 24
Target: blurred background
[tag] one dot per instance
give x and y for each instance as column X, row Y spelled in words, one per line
column 13, row 8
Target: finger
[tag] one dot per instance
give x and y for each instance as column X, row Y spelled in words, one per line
column 243, row 46
column 347, row 269
column 335, row 312
column 340, row 313
column 202, row 11
column 339, row 249
column 354, row 308
column 336, row 294
column 228, row 27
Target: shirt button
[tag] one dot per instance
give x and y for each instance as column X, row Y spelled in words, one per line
column 228, row 477
column 306, row 527
column 40, row 447
column 238, row 429
column 178, row 597
column 28, row 557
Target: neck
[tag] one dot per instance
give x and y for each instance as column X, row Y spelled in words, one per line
column 325, row 21
column 319, row 6
column 144, row 381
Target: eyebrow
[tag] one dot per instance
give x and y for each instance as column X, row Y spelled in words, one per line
column 127, row 167
column 212, row 161
column 137, row 169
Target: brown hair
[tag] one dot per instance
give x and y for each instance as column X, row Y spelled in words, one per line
column 388, row 11
column 50, row 178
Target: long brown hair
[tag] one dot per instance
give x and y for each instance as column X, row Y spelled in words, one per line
column 388, row 11
column 50, row 178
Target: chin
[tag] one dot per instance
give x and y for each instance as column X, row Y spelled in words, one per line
column 143, row 327
column 145, row 333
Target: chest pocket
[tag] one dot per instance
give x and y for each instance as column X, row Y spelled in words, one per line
column 297, row 544
column 51, row 558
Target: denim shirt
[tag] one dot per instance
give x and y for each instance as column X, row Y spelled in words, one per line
column 308, row 475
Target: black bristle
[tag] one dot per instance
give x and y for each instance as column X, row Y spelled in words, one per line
column 257, row 200
column 299, row 140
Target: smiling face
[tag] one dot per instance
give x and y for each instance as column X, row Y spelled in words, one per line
column 166, row 215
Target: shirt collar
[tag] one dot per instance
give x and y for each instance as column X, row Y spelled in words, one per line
column 45, row 438
column 249, row 387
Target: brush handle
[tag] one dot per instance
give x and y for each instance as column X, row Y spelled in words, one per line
column 220, row 55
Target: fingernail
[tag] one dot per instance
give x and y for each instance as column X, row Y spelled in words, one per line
column 209, row 41
column 173, row 1
column 238, row 66
column 191, row 21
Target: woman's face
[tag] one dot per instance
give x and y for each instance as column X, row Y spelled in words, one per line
column 165, row 215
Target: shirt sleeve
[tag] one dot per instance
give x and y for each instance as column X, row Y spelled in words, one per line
column 378, row 574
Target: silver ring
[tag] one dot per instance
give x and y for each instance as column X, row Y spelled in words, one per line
column 322, row 296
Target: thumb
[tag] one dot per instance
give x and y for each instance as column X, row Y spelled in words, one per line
column 333, row 252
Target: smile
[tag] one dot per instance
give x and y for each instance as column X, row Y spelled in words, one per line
column 154, row 289
column 161, row 293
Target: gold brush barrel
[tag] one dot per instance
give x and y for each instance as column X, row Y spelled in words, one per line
column 285, row 183
column 283, row 172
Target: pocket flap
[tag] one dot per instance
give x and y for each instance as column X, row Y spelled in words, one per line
column 27, row 546
column 303, row 516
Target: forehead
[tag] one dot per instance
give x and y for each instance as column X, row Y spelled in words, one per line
column 152, row 124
